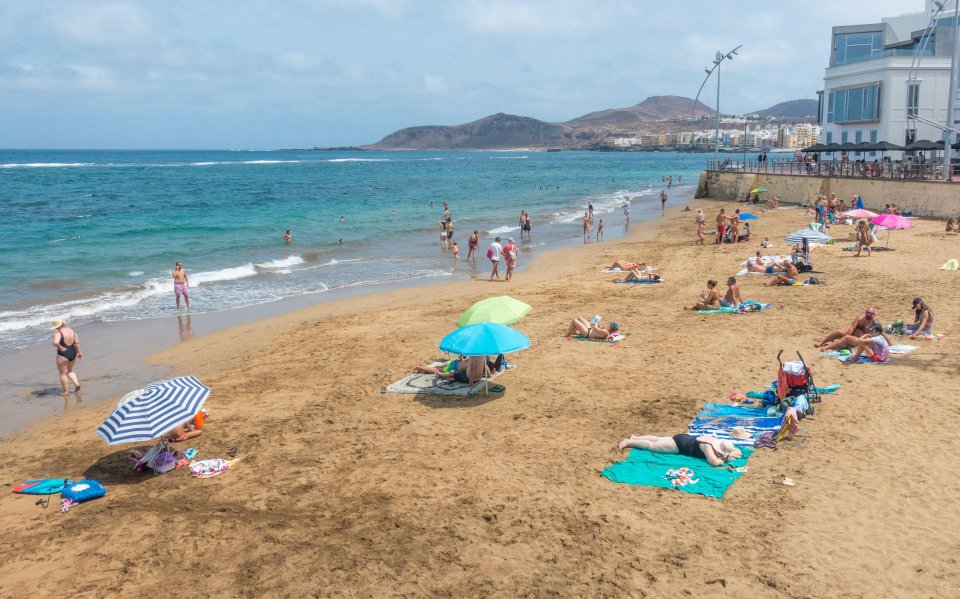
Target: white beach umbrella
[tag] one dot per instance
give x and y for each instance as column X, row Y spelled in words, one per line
column 159, row 408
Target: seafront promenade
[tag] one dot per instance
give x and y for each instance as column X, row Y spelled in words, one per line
column 923, row 197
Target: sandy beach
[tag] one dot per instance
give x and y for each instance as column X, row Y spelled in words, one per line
column 345, row 491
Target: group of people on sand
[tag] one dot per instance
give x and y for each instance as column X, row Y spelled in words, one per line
column 711, row 299
column 468, row 370
column 728, row 228
column 869, row 337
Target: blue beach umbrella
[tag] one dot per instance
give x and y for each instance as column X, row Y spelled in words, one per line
column 159, row 408
column 747, row 216
column 484, row 339
column 809, row 234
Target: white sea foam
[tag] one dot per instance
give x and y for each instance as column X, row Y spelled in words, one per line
column 502, row 230
column 282, row 262
column 135, row 273
column 359, row 160
column 271, row 161
column 44, row 164
column 225, row 274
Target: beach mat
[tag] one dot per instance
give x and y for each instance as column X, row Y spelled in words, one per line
column 649, row 469
column 431, row 384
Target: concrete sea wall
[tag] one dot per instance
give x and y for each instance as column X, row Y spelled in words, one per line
column 937, row 199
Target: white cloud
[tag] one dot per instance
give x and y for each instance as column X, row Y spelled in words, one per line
column 103, row 25
column 556, row 18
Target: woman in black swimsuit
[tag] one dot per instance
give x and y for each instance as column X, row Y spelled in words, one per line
column 704, row 447
column 68, row 352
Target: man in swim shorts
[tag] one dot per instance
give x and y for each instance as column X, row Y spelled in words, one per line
column 181, row 285
column 732, row 298
column 721, row 225
column 787, row 278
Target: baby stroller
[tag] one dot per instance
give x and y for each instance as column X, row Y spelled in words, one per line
column 794, row 379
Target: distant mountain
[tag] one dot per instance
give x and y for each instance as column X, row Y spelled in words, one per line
column 505, row 131
column 790, row 109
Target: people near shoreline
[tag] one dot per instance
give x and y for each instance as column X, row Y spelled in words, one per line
column 732, row 298
column 701, row 221
column 510, row 253
column 590, row 209
column 789, row 276
column 456, row 251
column 704, row 447
column 922, row 321
column 841, row 338
column 865, row 237
column 493, row 254
column 527, row 226
column 473, row 244
column 449, row 232
column 443, row 234
column 638, row 276
column 875, row 346
column 67, row 343
column 721, row 225
column 181, row 285
column 626, row 210
column 600, row 230
column 287, row 237
column 586, row 227
column 709, row 299
column 591, row 330
column 663, row 200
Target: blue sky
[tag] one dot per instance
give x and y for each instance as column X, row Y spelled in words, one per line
column 250, row 74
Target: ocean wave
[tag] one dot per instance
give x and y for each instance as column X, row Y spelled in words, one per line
column 224, row 274
column 282, row 262
column 508, row 157
column 45, row 164
column 271, row 162
column 135, row 273
column 502, row 230
column 359, row 160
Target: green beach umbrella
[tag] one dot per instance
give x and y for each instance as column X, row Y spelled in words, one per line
column 759, row 190
column 501, row 309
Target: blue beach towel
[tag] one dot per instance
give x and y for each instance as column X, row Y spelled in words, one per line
column 626, row 282
column 718, row 420
column 649, row 469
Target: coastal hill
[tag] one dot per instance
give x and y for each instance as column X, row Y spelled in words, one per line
column 655, row 115
column 790, row 109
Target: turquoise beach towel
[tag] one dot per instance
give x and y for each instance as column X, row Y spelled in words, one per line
column 649, row 469
column 760, row 308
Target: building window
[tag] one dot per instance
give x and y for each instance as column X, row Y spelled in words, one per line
column 857, row 138
column 829, row 137
column 913, row 99
column 843, row 137
column 854, row 104
column 854, row 47
column 873, row 140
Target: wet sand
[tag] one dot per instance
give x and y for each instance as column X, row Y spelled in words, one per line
column 344, row 491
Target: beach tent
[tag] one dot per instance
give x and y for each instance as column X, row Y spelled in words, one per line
column 502, row 309
column 484, row 339
column 891, row 221
column 158, row 409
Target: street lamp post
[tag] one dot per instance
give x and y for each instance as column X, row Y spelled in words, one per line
column 720, row 57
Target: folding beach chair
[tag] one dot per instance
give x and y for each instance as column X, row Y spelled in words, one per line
column 790, row 433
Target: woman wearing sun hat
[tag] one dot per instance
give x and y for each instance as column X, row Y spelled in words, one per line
column 67, row 343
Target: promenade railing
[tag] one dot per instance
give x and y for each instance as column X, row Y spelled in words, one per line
column 836, row 168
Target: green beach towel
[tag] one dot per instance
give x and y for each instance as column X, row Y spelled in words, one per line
column 649, row 469
column 716, row 310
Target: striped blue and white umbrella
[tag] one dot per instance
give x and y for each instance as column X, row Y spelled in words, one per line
column 808, row 234
column 158, row 409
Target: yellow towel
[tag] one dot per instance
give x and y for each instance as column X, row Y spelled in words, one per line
column 951, row 264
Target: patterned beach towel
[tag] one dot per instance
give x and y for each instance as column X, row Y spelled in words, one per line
column 718, row 420
column 431, row 384
column 653, row 470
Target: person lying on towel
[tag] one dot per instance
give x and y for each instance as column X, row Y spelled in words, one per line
column 640, row 277
column 705, row 447
column 849, row 337
column 581, row 326
column 874, row 346
column 709, row 299
column 464, row 370
column 758, row 265
column 626, row 266
column 789, row 277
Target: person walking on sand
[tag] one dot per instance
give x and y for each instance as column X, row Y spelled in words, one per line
column 472, row 245
column 287, row 237
column 181, row 285
column 586, row 227
column 67, row 343
column 494, row 253
column 510, row 252
column 701, row 221
column 663, row 200
column 600, row 230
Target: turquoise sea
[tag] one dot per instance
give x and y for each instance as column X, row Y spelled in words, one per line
column 93, row 235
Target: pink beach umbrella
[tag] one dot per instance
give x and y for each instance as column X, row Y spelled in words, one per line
column 891, row 221
column 859, row 213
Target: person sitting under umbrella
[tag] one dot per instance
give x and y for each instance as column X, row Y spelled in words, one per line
column 581, row 326
column 788, row 278
column 464, row 370
column 715, row 451
column 188, row 430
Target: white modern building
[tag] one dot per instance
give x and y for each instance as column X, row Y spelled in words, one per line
column 881, row 74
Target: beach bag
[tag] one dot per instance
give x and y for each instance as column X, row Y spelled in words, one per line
column 513, row 254
column 490, row 253
column 83, row 490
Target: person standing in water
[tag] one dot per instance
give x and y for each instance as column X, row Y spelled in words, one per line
column 586, row 227
column 67, row 343
column 600, row 230
column 287, row 237
column 663, row 200
column 510, row 252
column 494, row 253
column 181, row 285
column 472, row 245
column 590, row 208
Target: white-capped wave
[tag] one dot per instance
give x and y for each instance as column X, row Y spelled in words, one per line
column 225, row 274
column 270, row 161
column 502, row 230
column 135, row 273
column 282, row 262
column 359, row 160
column 44, row 164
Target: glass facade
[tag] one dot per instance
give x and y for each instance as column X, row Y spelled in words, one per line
column 854, row 104
column 857, row 47
column 913, row 99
